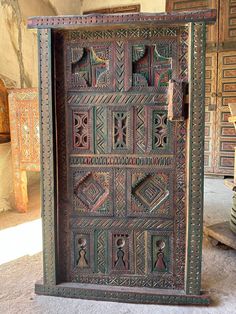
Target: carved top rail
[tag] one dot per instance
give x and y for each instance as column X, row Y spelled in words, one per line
column 208, row 16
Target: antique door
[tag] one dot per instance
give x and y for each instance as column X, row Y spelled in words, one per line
column 122, row 155
column 123, row 219
column 126, row 161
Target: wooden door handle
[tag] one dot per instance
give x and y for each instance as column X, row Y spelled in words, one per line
column 177, row 100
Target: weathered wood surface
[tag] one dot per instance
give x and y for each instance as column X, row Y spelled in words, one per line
column 24, row 127
column 222, row 233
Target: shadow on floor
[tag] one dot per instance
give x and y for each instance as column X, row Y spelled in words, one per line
column 12, row 217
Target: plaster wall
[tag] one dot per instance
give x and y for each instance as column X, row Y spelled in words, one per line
column 18, row 48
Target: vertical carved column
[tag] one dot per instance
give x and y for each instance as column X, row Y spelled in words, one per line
column 196, row 159
column 120, row 192
column 47, row 157
column 120, row 66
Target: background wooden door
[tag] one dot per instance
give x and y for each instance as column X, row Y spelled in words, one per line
column 227, row 24
column 187, row 5
column 210, row 109
column 220, row 136
column 225, row 139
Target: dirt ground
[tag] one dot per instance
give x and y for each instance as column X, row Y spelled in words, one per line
column 17, row 277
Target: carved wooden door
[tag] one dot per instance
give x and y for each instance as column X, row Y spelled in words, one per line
column 122, row 162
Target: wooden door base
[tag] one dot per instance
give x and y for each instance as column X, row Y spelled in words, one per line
column 121, row 294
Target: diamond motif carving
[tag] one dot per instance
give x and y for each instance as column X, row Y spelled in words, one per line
column 150, row 192
column 92, row 190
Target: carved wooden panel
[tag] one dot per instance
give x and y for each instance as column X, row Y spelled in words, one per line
column 124, row 164
column 24, row 126
column 187, row 5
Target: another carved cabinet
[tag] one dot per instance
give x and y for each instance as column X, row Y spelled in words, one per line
column 4, row 114
column 220, row 136
column 122, row 155
column 24, row 127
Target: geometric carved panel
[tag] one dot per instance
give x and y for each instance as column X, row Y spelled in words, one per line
column 160, row 253
column 93, row 193
column 81, row 130
column 82, row 251
column 121, row 139
column 159, row 136
column 149, row 67
column 150, row 194
column 121, row 260
column 120, row 130
column 89, row 67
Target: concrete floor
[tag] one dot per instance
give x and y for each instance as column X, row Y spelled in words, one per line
column 17, row 276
